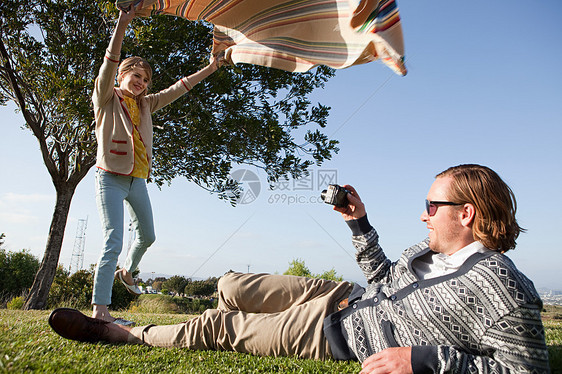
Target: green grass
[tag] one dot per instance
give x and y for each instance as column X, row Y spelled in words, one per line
column 552, row 320
column 28, row 344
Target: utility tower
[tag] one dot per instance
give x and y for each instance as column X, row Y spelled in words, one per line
column 77, row 260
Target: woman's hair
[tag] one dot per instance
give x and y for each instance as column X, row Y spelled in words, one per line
column 129, row 64
column 494, row 222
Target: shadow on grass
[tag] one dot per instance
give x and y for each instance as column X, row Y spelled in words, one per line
column 555, row 358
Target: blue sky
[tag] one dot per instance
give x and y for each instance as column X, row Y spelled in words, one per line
column 484, row 86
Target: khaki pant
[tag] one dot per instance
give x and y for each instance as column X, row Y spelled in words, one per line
column 261, row 314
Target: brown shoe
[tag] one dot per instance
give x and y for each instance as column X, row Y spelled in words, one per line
column 71, row 324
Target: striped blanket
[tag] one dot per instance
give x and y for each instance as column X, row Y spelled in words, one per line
column 295, row 35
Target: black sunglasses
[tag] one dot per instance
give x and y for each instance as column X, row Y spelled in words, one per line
column 431, row 206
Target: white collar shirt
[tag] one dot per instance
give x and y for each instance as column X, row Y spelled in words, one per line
column 433, row 265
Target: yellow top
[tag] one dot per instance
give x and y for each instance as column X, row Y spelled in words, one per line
column 140, row 169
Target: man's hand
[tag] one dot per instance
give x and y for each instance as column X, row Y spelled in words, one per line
column 391, row 360
column 355, row 209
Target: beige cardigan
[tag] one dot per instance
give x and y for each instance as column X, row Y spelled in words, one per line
column 114, row 128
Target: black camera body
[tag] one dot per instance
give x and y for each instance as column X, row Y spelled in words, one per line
column 335, row 195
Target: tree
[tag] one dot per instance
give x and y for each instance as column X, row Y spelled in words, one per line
column 76, row 290
column 298, row 267
column 201, row 288
column 157, row 285
column 330, row 275
column 176, row 284
column 50, row 52
column 58, row 293
column 49, row 78
column 17, row 270
column 71, row 289
column 240, row 115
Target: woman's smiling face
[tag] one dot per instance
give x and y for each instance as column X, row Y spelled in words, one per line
column 134, row 82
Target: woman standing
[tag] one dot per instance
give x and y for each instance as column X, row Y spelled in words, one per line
column 124, row 156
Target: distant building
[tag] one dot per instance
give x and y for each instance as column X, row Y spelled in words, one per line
column 551, row 297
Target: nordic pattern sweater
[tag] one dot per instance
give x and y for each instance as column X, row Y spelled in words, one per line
column 483, row 318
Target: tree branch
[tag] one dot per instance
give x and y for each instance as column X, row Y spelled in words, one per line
column 20, row 101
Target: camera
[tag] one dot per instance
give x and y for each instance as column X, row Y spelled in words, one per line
column 335, row 195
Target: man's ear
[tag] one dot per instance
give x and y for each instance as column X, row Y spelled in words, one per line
column 467, row 214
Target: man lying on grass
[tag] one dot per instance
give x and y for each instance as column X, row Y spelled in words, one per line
column 452, row 303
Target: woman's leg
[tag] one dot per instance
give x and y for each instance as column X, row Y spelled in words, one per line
column 111, row 190
column 142, row 221
column 101, row 312
column 268, row 293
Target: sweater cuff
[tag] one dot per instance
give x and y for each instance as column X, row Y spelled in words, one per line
column 112, row 57
column 186, row 84
column 359, row 226
column 424, row 359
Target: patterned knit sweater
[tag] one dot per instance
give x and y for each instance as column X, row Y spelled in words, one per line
column 483, row 318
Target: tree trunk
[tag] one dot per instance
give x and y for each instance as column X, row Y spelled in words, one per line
column 37, row 298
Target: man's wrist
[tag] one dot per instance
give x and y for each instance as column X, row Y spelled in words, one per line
column 424, row 359
column 360, row 226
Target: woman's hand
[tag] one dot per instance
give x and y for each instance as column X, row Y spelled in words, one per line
column 217, row 61
column 127, row 15
column 214, row 63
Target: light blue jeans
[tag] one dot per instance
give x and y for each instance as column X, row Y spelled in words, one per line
column 111, row 191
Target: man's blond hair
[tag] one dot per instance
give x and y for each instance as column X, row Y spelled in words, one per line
column 494, row 222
